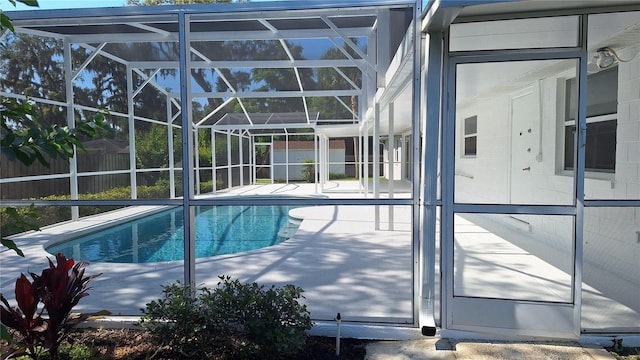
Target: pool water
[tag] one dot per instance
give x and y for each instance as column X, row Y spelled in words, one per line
column 159, row 237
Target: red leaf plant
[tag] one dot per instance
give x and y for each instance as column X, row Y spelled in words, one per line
column 59, row 288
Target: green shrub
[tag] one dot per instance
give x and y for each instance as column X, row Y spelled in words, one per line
column 206, row 186
column 47, row 215
column 17, row 220
column 160, row 190
column 335, row 176
column 205, row 154
column 79, row 352
column 177, row 320
column 309, row 171
column 241, row 320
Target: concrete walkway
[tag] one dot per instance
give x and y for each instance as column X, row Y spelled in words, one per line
column 446, row 349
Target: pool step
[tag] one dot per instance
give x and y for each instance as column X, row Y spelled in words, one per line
column 289, row 229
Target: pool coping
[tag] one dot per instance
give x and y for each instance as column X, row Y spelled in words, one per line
column 110, row 222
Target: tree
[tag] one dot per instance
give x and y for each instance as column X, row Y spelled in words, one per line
column 152, row 148
column 175, row 2
column 103, row 82
column 331, row 108
column 5, row 22
column 18, row 222
column 26, row 136
column 32, row 66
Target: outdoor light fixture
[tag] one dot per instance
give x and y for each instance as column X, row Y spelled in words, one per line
column 605, row 57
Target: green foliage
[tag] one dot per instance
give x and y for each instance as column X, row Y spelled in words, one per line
column 70, row 352
column 55, row 292
column 79, row 352
column 177, row 320
column 624, row 353
column 327, row 78
column 335, row 176
column 309, row 171
column 206, row 186
column 26, row 137
column 152, row 148
column 4, row 334
column 205, row 154
column 37, row 216
column 21, row 219
column 5, row 22
column 26, row 2
column 14, row 221
column 271, row 319
column 241, row 320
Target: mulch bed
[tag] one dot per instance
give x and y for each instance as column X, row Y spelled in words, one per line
column 137, row 344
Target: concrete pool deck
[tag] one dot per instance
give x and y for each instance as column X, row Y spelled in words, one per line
column 338, row 257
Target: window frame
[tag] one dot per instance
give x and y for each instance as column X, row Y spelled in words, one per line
column 469, row 135
column 568, row 122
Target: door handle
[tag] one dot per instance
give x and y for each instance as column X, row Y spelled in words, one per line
column 528, row 168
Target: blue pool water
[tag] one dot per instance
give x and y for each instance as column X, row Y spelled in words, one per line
column 218, row 230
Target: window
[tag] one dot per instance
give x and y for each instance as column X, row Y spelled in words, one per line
column 602, row 108
column 470, row 136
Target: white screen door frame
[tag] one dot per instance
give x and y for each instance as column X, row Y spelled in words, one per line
column 472, row 310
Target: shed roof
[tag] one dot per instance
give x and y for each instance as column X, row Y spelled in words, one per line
column 337, row 144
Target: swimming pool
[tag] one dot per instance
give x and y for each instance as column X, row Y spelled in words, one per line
column 159, row 237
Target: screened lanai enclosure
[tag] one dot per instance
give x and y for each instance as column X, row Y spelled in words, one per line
column 411, row 165
column 263, row 95
column 241, row 115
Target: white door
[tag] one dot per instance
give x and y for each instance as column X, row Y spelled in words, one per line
column 525, row 145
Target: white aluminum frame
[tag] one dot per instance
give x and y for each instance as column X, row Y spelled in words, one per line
column 27, row 22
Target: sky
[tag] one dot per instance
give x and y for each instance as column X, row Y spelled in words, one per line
column 5, row 5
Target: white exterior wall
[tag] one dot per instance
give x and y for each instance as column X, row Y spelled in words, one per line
column 611, row 238
column 627, row 177
column 486, row 178
column 398, row 161
column 298, row 157
column 337, row 159
column 479, row 178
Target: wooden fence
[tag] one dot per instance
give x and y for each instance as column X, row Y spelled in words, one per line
column 87, row 162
